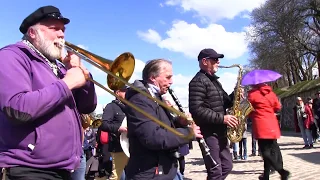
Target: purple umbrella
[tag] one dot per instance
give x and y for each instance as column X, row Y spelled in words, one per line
column 259, row 76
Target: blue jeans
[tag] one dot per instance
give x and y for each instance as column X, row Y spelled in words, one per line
column 80, row 173
column 178, row 176
column 243, row 147
column 123, row 175
column 235, row 148
column 306, row 134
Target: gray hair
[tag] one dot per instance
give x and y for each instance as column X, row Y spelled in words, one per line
column 26, row 35
column 153, row 68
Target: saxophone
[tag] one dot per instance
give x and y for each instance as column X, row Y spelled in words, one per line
column 240, row 109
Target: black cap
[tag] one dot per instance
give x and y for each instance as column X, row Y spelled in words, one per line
column 40, row 14
column 123, row 88
column 209, row 53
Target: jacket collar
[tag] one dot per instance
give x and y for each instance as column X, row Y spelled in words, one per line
column 211, row 77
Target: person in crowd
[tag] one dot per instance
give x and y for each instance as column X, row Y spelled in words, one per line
column 207, row 104
column 153, row 149
column 243, row 145
column 235, row 150
column 315, row 125
column 303, row 115
column 253, row 141
column 103, row 154
column 89, row 142
column 80, row 172
column 113, row 116
column 41, row 100
column 266, row 128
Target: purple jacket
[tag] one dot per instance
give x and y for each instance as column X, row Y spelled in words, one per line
column 40, row 124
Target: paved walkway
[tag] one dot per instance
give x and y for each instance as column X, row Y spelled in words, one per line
column 302, row 163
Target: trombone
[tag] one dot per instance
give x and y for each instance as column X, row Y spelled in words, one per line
column 119, row 72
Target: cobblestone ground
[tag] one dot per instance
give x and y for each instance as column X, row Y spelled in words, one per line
column 304, row 164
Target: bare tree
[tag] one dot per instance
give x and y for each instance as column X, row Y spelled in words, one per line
column 285, row 38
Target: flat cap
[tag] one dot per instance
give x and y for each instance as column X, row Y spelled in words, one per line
column 40, row 14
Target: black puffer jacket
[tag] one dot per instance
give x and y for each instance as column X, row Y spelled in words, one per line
column 112, row 117
column 208, row 103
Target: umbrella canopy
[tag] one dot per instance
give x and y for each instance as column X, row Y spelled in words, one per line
column 259, row 76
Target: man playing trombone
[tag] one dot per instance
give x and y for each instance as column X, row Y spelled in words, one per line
column 153, row 149
column 40, row 101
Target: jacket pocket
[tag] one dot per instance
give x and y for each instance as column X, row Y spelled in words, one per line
column 33, row 147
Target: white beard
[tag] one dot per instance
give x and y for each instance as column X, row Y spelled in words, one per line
column 48, row 48
column 214, row 70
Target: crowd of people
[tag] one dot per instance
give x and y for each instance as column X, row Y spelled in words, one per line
column 42, row 134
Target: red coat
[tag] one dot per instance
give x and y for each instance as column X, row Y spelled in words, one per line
column 309, row 121
column 264, row 121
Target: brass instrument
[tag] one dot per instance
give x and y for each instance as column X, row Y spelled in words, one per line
column 96, row 123
column 119, row 72
column 240, row 109
column 87, row 120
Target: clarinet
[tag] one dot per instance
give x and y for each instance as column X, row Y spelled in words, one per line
column 202, row 144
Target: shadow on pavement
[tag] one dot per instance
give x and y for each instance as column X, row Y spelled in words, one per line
column 295, row 148
column 195, row 161
column 247, row 172
column 312, row 157
column 247, row 161
column 199, row 171
column 290, row 144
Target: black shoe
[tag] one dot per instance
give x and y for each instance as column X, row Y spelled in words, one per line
column 310, row 146
column 261, row 177
column 305, row 147
column 285, row 175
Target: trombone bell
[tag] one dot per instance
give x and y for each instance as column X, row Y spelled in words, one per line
column 122, row 66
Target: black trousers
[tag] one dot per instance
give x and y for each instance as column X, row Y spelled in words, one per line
column 219, row 150
column 28, row 173
column 182, row 164
column 88, row 153
column 271, row 154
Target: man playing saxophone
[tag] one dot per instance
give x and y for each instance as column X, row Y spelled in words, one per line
column 208, row 103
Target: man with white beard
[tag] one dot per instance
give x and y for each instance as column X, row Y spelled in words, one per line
column 41, row 101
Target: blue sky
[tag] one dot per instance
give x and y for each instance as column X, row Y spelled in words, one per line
column 171, row 29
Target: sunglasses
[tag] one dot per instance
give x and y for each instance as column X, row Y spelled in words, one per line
column 214, row 59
